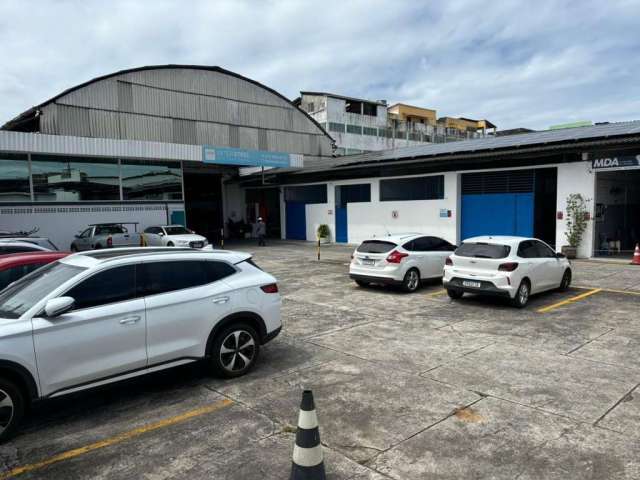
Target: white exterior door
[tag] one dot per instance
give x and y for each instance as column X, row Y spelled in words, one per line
column 103, row 336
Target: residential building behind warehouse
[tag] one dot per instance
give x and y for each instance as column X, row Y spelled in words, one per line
column 360, row 126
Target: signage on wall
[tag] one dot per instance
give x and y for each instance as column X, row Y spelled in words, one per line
column 619, row 161
column 394, row 214
column 444, row 213
column 244, row 157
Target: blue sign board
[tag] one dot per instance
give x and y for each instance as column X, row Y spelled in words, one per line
column 246, row 158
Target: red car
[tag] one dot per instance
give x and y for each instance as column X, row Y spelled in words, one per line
column 17, row 265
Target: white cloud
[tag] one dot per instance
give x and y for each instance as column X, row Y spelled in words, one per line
column 516, row 63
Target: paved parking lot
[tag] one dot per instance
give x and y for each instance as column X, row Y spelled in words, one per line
column 407, row 387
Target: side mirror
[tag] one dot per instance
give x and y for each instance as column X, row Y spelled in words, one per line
column 560, row 255
column 77, row 235
column 161, row 234
column 58, row 306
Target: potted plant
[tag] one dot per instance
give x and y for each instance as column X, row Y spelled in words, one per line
column 577, row 216
column 323, row 233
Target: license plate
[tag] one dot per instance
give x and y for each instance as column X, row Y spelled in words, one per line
column 196, row 244
column 368, row 261
column 469, row 283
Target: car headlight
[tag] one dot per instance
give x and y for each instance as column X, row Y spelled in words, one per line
column 183, row 242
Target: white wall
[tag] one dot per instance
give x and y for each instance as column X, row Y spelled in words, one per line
column 61, row 222
column 575, row 178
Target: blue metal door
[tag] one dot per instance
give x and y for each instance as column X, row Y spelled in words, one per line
column 177, row 218
column 296, row 221
column 341, row 225
column 497, row 214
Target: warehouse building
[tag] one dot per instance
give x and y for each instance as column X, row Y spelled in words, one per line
column 511, row 185
column 150, row 145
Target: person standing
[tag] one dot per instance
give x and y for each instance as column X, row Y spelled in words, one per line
column 261, row 231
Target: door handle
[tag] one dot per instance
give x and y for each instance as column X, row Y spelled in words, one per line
column 130, row 320
column 220, row 300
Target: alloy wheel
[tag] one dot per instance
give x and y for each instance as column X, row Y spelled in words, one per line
column 523, row 293
column 412, row 281
column 237, row 351
column 6, row 410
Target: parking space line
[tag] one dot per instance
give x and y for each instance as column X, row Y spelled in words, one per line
column 435, row 294
column 119, row 438
column 611, row 290
column 568, row 300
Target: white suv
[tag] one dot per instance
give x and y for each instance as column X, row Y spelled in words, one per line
column 401, row 260
column 173, row 236
column 511, row 267
column 99, row 317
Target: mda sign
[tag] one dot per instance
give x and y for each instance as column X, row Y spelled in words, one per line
column 619, row 161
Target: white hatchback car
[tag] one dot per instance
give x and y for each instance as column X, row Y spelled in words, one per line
column 402, row 260
column 98, row 317
column 511, row 267
column 173, row 236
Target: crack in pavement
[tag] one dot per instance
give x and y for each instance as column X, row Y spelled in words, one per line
column 624, row 397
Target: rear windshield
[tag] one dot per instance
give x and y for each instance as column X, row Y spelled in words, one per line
column 376, row 246
column 483, row 250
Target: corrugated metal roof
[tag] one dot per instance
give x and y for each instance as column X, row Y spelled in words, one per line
column 533, row 139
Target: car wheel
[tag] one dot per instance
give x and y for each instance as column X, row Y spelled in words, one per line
column 170, row 244
column 11, row 408
column 566, row 280
column 522, row 295
column 235, row 350
column 455, row 294
column 362, row 284
column 411, row 280
column 97, row 246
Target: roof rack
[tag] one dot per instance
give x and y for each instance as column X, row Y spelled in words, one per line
column 112, row 223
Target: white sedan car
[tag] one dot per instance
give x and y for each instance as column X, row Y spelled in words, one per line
column 510, row 267
column 402, row 260
column 173, row 236
column 102, row 316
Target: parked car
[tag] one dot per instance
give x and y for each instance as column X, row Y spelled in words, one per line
column 16, row 265
column 41, row 241
column 173, row 236
column 105, row 235
column 402, row 260
column 20, row 246
column 98, row 317
column 510, row 267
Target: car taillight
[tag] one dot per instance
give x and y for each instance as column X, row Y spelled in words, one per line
column 396, row 256
column 271, row 288
column 508, row 267
column 109, row 241
column 448, row 261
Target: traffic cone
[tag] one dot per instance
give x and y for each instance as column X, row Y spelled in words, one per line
column 308, row 462
column 636, row 255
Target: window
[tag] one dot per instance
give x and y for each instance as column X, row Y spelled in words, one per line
column 30, row 289
column 86, row 233
column 483, row 250
column 154, row 230
column 110, row 230
column 6, row 249
column 544, row 251
column 74, row 179
column 162, row 277
column 385, row 132
column 401, row 134
column 306, row 194
column 527, row 249
column 352, row 106
column 370, row 131
column 419, row 188
column 422, row 244
column 14, row 178
column 12, row 274
column 376, row 246
column 117, row 284
column 336, row 127
column 151, row 180
column 177, row 230
column 354, row 129
column 370, row 109
column 352, row 193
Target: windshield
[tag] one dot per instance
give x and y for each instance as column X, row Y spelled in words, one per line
column 177, row 231
column 376, row 246
column 20, row 296
column 483, row 250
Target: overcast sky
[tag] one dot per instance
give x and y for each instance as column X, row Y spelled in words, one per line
column 518, row 64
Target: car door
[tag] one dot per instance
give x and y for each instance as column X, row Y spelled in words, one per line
column 103, row 336
column 152, row 236
column 533, row 266
column 184, row 300
column 552, row 269
column 428, row 257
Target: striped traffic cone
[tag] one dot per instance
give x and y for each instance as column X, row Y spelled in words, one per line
column 636, row 256
column 308, row 462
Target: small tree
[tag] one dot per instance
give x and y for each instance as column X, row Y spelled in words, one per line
column 323, row 231
column 576, row 218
